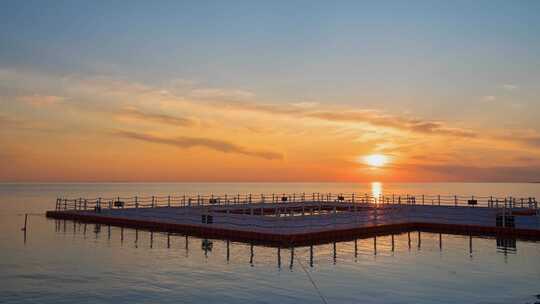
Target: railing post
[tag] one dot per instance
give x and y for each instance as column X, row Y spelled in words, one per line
column 455, row 201
column 85, row 203
column 504, row 214
column 422, row 199
column 136, row 202
column 439, row 199
column 168, row 201
column 152, row 201
column 65, row 204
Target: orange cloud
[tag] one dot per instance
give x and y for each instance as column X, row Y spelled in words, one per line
column 135, row 113
column 185, row 142
column 41, row 100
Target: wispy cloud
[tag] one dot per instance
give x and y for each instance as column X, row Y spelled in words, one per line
column 510, row 87
column 400, row 123
column 15, row 123
column 41, row 100
column 134, row 113
column 526, row 138
column 371, row 117
column 185, row 142
column 221, row 94
column 489, row 98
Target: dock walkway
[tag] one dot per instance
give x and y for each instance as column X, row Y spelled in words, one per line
column 290, row 221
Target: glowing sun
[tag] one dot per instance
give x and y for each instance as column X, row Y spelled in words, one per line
column 376, row 160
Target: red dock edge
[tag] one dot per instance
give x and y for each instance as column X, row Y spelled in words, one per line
column 299, row 239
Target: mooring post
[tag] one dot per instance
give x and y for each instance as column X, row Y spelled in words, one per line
column 292, row 258
column 335, row 214
column 26, row 221
column 311, row 256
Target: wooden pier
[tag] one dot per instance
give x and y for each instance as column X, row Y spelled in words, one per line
column 301, row 219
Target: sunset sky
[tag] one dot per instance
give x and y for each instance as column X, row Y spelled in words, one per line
column 277, row 91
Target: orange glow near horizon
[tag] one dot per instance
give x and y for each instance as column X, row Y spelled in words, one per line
column 156, row 137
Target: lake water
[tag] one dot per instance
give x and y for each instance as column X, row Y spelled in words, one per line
column 67, row 262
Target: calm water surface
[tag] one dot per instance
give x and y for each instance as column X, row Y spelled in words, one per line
column 67, row 262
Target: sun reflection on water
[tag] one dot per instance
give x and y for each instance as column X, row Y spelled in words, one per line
column 376, row 191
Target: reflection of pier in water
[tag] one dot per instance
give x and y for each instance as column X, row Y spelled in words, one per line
column 413, row 240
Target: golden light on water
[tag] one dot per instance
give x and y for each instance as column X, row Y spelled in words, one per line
column 376, row 160
column 376, row 190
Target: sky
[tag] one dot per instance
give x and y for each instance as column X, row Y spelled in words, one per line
column 347, row 91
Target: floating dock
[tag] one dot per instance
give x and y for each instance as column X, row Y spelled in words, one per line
column 301, row 219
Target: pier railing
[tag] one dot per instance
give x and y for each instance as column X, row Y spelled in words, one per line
column 275, row 198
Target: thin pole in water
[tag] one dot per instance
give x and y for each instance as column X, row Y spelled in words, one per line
column 24, row 228
column 25, row 221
